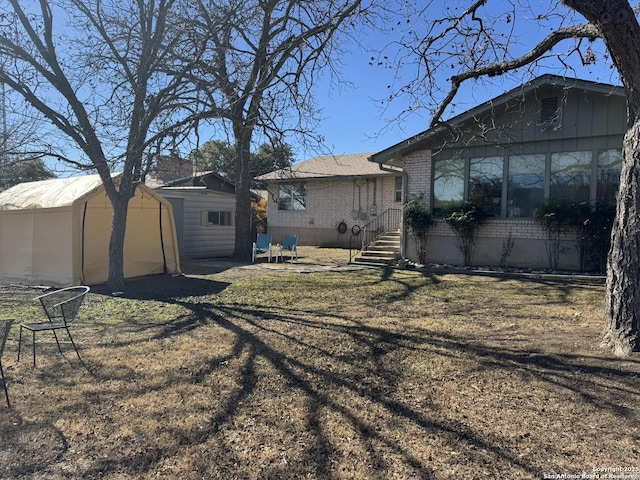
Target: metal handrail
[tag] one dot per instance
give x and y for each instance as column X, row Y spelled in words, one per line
column 387, row 221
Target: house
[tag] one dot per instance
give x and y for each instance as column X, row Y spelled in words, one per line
column 57, row 232
column 204, row 210
column 554, row 138
column 325, row 199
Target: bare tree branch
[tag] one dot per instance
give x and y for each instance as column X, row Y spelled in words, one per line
column 578, row 31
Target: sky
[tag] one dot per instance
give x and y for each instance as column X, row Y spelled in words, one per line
column 352, row 118
column 353, row 121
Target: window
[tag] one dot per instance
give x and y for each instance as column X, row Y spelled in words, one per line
column 216, row 218
column 292, row 197
column 398, row 189
column 525, row 186
column 448, row 184
column 531, row 180
column 570, row 177
column 609, row 167
column 485, row 184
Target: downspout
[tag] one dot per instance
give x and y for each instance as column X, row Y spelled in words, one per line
column 403, row 200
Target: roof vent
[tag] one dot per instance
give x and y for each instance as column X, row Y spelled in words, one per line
column 549, row 110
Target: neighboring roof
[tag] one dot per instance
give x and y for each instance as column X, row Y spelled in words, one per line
column 421, row 140
column 209, row 180
column 199, row 180
column 59, row 192
column 328, row 166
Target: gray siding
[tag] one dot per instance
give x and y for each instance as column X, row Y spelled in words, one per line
column 198, row 240
column 587, row 121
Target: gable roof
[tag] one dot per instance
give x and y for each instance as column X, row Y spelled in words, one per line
column 327, row 166
column 422, row 140
column 58, row 192
column 208, row 179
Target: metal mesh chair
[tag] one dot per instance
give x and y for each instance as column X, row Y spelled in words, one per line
column 61, row 308
column 5, row 326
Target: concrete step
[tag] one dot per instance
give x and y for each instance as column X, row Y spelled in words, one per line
column 379, row 254
column 372, row 261
column 385, row 245
column 384, row 250
column 376, row 258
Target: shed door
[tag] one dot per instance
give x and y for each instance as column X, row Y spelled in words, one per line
column 178, row 215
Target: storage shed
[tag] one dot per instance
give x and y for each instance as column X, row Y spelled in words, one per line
column 204, row 219
column 57, row 232
column 204, row 206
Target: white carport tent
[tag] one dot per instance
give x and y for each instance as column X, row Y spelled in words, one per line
column 57, row 232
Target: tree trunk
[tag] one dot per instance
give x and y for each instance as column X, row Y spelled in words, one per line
column 244, row 240
column 623, row 264
column 116, row 245
column 619, row 28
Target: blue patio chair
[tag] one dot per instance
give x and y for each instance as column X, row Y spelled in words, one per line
column 290, row 244
column 262, row 245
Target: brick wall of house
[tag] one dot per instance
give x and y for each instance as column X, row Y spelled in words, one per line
column 418, row 168
column 329, row 202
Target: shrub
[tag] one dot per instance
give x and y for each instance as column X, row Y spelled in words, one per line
column 591, row 225
column 556, row 218
column 594, row 236
column 465, row 221
column 417, row 220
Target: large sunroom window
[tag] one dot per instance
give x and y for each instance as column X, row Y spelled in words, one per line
column 527, row 181
column 609, row 166
column 448, row 184
column 525, row 191
column 485, row 184
column 570, row 177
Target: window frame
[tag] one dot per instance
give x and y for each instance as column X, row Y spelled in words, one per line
column 592, row 170
column 205, row 218
column 292, row 198
column 397, row 195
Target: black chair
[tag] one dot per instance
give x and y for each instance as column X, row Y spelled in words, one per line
column 4, row 333
column 61, row 308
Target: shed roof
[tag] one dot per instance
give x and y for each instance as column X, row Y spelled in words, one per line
column 58, row 192
column 328, row 166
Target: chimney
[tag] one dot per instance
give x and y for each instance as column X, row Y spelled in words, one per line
column 172, row 167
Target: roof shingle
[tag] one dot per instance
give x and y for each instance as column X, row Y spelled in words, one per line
column 328, row 166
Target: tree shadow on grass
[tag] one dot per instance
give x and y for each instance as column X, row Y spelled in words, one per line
column 335, row 376
column 164, row 288
column 276, row 336
column 377, row 382
column 27, row 447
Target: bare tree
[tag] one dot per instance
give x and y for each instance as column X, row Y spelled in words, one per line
column 483, row 38
column 103, row 81
column 18, row 161
column 259, row 62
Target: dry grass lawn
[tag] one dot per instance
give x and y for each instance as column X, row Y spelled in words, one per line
column 265, row 372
